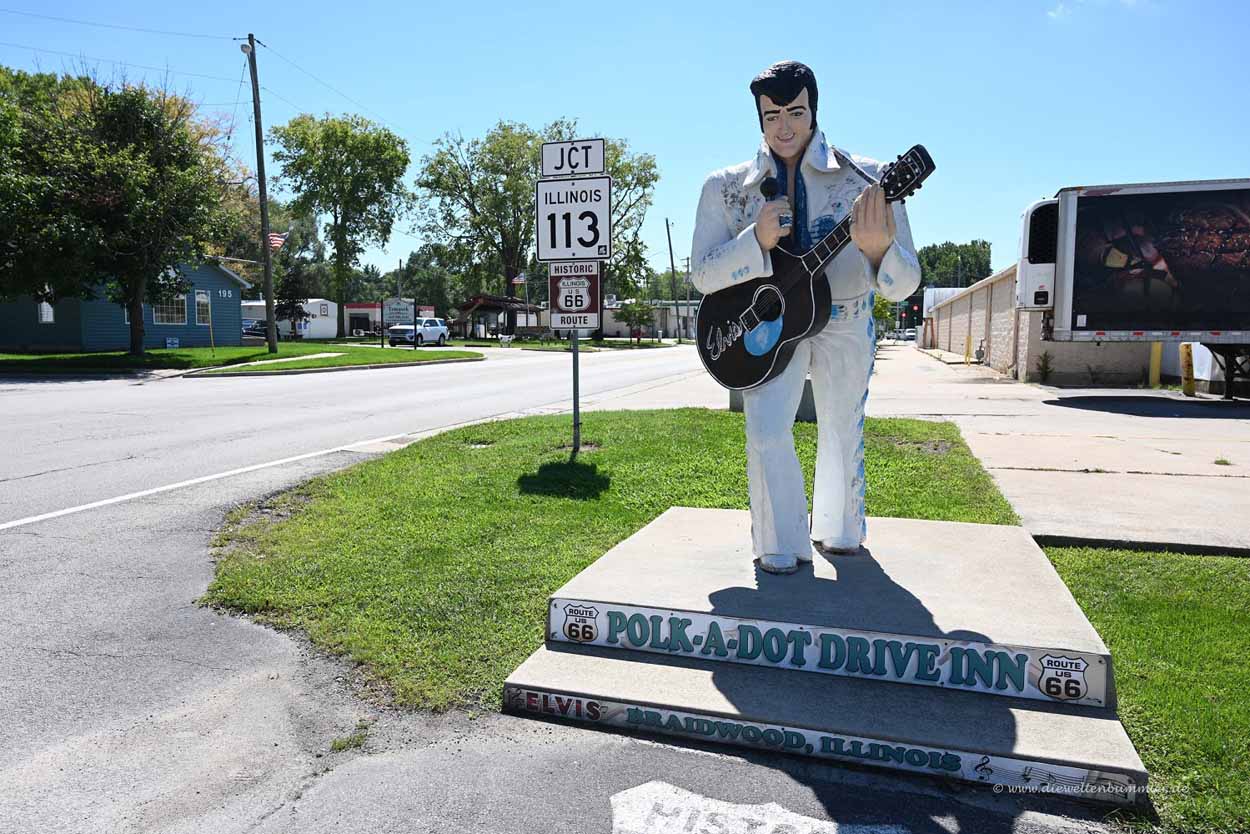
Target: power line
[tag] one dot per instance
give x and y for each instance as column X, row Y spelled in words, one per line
column 115, row 63
column 238, row 93
column 327, row 85
column 117, row 26
column 281, row 98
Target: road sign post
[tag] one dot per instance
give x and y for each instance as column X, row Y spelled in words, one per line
column 573, row 208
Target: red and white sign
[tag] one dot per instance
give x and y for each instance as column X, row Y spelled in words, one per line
column 574, row 295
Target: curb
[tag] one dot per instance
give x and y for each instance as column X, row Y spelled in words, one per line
column 1047, row 540
column 210, row 372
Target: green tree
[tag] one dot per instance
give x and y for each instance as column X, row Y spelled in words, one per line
column 636, row 314
column 883, row 312
column 481, row 199
column 954, row 264
column 109, row 187
column 350, row 172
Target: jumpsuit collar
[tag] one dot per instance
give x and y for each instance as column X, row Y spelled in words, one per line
column 820, row 156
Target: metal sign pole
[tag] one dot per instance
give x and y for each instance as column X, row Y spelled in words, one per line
column 577, row 415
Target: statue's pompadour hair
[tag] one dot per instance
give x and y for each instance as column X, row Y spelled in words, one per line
column 782, row 82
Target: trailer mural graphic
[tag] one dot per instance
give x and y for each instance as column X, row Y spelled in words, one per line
column 1162, row 261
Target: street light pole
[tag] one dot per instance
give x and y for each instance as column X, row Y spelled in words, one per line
column 271, row 326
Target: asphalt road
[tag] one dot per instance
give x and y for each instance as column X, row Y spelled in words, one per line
column 74, row 441
column 126, row 707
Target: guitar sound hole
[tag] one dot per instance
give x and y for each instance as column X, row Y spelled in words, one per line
column 768, row 303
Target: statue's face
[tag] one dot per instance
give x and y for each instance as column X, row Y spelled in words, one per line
column 787, row 128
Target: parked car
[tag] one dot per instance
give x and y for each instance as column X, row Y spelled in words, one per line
column 429, row 331
column 253, row 327
column 909, row 335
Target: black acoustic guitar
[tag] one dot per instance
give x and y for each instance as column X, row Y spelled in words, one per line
column 747, row 333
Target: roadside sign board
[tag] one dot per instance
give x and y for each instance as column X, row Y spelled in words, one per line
column 574, row 219
column 568, row 159
column 574, row 295
column 397, row 311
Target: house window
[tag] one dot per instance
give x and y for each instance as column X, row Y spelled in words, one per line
column 173, row 311
column 46, row 316
column 203, row 312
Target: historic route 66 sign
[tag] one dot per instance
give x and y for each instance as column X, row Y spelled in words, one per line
column 579, row 623
column 574, row 219
column 1063, row 678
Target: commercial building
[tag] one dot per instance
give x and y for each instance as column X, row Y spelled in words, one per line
column 984, row 317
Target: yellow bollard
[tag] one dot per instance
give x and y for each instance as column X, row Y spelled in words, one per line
column 1156, row 363
column 968, row 348
column 1187, row 369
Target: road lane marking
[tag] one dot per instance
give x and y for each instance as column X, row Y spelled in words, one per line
column 355, row 446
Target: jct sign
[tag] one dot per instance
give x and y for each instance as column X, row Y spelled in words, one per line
column 566, row 159
column 574, row 219
column 574, row 289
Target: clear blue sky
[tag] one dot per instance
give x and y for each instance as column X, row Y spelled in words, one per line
column 1014, row 100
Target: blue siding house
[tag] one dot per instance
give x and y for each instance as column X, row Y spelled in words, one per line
column 216, row 295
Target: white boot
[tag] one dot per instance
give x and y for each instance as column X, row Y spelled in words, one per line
column 833, row 546
column 778, row 563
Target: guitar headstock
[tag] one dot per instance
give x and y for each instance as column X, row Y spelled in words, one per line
column 901, row 178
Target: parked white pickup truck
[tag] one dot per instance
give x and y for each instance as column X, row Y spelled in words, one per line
column 428, row 332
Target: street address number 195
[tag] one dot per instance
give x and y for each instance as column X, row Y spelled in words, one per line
column 574, row 219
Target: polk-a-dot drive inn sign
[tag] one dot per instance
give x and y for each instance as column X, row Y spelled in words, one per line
column 1042, row 674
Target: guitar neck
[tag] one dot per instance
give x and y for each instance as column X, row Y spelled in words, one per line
column 818, row 257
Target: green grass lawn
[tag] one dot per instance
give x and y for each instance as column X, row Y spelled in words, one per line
column 563, row 344
column 582, row 347
column 1178, row 628
column 189, row 358
column 630, row 344
column 431, row 567
column 353, row 356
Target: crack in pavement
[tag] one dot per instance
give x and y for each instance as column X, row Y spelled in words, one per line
column 66, row 469
column 1115, row 472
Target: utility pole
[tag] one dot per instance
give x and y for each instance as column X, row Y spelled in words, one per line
column 688, row 283
column 271, row 327
column 399, row 277
column 672, row 268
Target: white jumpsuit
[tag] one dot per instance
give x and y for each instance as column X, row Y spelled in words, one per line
column 839, row 358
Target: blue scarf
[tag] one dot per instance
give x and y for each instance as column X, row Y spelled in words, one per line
column 798, row 231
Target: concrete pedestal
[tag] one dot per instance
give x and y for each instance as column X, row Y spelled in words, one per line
column 943, row 648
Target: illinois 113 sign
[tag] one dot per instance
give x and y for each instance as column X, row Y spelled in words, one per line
column 574, row 219
column 574, row 295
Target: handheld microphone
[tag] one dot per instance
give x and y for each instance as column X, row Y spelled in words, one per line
column 768, row 187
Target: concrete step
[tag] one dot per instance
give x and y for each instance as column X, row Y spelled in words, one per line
column 974, row 737
column 974, row 608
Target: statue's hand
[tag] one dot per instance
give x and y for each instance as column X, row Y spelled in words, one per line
column 872, row 224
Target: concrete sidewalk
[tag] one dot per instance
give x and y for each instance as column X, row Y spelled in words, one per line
column 1153, row 468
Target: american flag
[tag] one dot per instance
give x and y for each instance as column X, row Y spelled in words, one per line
column 520, row 279
column 276, row 240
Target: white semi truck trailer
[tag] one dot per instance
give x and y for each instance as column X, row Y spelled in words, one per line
column 1150, row 262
